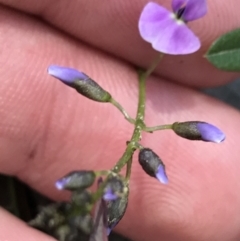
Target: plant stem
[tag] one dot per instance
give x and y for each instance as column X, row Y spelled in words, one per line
column 153, row 65
column 131, row 147
column 123, row 111
column 139, row 122
column 157, row 128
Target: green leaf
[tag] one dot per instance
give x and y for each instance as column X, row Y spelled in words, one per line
column 224, row 53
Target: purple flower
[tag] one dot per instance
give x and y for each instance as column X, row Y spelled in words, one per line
column 167, row 31
column 67, row 75
column 210, row 132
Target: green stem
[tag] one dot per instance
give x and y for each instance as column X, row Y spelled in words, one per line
column 157, row 128
column 127, row 155
column 123, row 111
column 128, row 170
column 153, row 65
column 139, row 122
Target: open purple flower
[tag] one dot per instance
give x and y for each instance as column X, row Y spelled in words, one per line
column 167, row 31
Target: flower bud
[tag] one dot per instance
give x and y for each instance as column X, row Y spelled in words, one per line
column 114, row 188
column 76, row 180
column 197, row 130
column 81, row 82
column 116, row 209
column 81, row 197
column 51, row 216
column 152, row 165
column 83, row 222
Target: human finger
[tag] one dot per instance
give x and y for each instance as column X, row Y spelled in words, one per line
column 112, row 27
column 12, row 229
column 48, row 130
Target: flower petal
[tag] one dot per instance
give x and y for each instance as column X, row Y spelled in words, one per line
column 161, row 175
column 174, row 37
column 66, row 75
column 151, row 16
column 210, row 132
column 168, row 35
column 194, row 9
column 109, row 195
column 177, row 4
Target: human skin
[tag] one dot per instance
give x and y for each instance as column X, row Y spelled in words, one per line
column 48, row 130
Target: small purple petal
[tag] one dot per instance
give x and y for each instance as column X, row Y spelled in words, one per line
column 161, row 174
column 99, row 232
column 151, row 15
column 194, row 9
column 61, row 183
column 177, row 4
column 168, row 35
column 66, row 75
column 109, row 195
column 109, row 230
column 210, row 132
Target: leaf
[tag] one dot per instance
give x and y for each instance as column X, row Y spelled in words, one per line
column 224, row 53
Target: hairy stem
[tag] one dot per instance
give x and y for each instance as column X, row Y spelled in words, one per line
column 131, row 147
column 157, row 128
column 139, row 122
column 123, row 111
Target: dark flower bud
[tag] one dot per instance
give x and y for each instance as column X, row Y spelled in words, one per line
column 197, row 130
column 51, row 216
column 81, row 82
column 83, row 222
column 76, row 180
column 81, row 197
column 114, row 188
column 152, row 165
column 116, row 209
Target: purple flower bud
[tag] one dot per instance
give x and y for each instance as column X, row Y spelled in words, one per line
column 210, row 132
column 81, row 197
column 116, row 209
column 161, row 174
column 114, row 188
column 83, row 222
column 197, row 130
column 167, row 31
column 109, row 195
column 81, row 82
column 76, row 180
column 152, row 165
column 67, row 75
